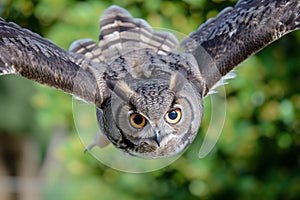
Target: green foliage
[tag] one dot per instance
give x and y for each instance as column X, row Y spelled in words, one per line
column 256, row 157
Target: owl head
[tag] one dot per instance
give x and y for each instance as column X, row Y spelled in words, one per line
column 152, row 118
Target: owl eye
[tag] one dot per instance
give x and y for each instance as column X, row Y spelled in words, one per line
column 137, row 120
column 173, row 116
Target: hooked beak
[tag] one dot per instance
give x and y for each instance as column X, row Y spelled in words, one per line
column 157, row 138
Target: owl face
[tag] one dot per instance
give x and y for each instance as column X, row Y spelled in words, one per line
column 153, row 118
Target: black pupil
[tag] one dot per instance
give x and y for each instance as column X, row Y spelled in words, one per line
column 138, row 119
column 173, row 115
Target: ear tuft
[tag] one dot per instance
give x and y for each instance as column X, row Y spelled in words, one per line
column 177, row 82
column 121, row 89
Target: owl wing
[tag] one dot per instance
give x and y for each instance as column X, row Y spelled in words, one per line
column 236, row 33
column 31, row 56
column 121, row 33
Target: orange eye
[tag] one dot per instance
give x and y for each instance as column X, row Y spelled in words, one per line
column 173, row 116
column 137, row 120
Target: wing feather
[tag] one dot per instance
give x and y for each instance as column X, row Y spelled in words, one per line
column 27, row 54
column 238, row 32
column 120, row 33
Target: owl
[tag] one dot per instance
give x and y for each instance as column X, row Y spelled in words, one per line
column 146, row 86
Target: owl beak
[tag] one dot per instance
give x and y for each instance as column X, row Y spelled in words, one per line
column 157, row 138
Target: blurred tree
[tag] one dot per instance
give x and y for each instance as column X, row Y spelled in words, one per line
column 256, row 157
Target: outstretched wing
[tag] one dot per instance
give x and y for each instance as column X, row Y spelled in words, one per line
column 29, row 55
column 120, row 33
column 236, row 33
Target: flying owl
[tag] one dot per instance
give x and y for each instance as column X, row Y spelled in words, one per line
column 147, row 87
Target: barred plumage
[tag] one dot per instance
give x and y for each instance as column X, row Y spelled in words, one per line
column 120, row 33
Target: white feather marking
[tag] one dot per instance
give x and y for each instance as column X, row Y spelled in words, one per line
column 222, row 81
column 232, row 32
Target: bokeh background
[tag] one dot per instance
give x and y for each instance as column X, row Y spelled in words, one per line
column 256, row 157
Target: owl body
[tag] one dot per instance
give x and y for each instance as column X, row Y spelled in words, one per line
column 153, row 98
column 148, row 94
column 151, row 86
